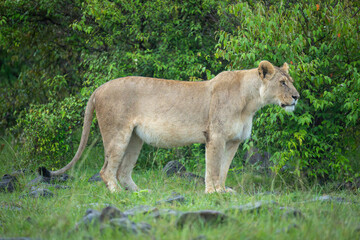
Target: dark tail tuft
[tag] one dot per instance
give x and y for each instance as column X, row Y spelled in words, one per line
column 44, row 172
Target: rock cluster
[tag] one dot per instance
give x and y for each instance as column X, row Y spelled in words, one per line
column 176, row 168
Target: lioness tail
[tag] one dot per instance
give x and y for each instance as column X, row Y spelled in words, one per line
column 84, row 138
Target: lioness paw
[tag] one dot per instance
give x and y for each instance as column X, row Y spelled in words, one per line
column 220, row 190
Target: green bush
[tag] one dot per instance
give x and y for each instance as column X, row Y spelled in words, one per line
column 47, row 133
column 87, row 43
column 320, row 41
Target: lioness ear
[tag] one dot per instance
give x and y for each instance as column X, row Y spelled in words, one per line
column 285, row 67
column 266, row 70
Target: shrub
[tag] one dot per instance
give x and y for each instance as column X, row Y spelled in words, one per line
column 48, row 130
column 321, row 44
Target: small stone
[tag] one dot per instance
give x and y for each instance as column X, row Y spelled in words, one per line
column 327, row 198
column 124, row 224
column 91, row 217
column 93, row 205
column 62, row 178
column 95, row 178
column 143, row 227
column 61, row 187
column 11, row 206
column 111, row 212
column 142, row 209
column 7, row 183
column 251, row 207
column 127, row 226
column 165, row 213
column 175, row 198
column 201, row 217
column 39, row 192
column 292, row 212
column 173, row 167
column 44, row 179
column 37, row 180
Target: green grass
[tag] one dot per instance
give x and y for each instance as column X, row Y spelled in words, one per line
column 56, row 217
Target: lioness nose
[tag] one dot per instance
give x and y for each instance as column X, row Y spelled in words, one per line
column 296, row 97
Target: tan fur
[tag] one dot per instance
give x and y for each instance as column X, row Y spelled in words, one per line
column 168, row 113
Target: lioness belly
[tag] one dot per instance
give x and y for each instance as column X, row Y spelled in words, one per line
column 165, row 134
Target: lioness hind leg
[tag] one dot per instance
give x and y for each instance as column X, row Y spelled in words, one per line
column 114, row 152
column 128, row 163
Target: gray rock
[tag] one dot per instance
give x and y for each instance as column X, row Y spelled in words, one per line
column 292, row 212
column 174, row 198
column 113, row 218
column 39, row 192
column 128, row 226
column 44, row 179
column 327, row 198
column 141, row 209
column 11, row 207
column 165, row 213
column 173, row 167
column 144, row 227
column 176, row 168
column 93, row 205
column 203, row 217
column 8, row 183
column 124, row 224
column 92, row 217
column 37, row 180
column 61, row 187
column 111, row 212
column 251, row 207
column 254, row 157
column 62, row 178
column 95, row 178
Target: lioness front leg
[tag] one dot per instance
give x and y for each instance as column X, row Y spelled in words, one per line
column 214, row 153
column 230, row 150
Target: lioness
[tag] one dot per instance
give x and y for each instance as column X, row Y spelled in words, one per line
column 168, row 113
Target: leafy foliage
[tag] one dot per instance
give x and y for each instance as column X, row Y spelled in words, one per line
column 37, row 42
column 48, row 132
column 321, row 43
column 56, row 53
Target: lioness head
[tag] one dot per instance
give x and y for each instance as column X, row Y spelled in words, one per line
column 277, row 86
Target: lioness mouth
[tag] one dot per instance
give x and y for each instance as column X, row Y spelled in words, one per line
column 286, row 105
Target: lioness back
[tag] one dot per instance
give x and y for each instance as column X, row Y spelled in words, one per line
column 164, row 113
